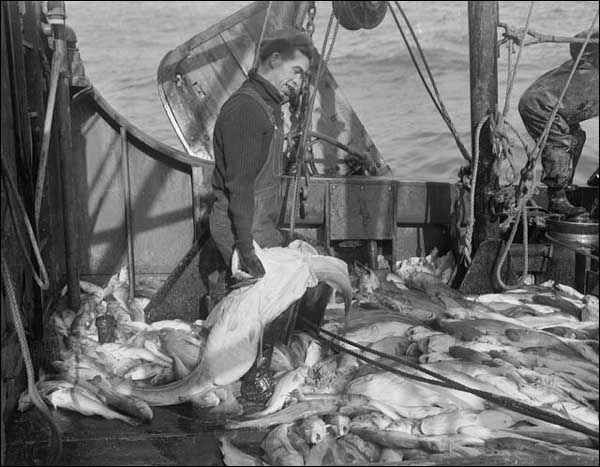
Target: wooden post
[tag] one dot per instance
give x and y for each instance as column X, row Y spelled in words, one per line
column 483, row 21
column 56, row 17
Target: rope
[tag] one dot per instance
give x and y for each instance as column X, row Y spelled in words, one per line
column 42, row 282
column 466, row 253
column 502, row 401
column 505, row 253
column 55, row 450
column 438, row 103
column 308, row 116
column 511, row 76
column 532, row 159
column 262, row 35
column 538, row 37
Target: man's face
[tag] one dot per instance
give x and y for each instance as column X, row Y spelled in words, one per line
column 289, row 73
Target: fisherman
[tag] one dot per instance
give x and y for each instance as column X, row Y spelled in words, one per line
column 566, row 138
column 248, row 148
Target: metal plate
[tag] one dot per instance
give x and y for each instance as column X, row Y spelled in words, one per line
column 361, row 211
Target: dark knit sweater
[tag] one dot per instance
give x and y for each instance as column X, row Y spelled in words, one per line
column 241, row 140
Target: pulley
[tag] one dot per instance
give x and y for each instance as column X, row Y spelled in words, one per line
column 356, row 15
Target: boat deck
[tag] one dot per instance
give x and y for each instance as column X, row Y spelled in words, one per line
column 176, row 436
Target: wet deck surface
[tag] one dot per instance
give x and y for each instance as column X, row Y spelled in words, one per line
column 176, row 436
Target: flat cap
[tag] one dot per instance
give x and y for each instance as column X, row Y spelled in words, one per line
column 283, row 40
column 289, row 34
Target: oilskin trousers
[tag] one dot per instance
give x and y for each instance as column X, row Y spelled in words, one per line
column 566, row 137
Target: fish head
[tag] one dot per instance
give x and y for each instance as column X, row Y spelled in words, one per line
column 515, row 335
column 301, row 373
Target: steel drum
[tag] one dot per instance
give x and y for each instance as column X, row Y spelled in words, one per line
column 579, row 234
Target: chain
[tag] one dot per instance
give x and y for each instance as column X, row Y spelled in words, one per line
column 310, row 25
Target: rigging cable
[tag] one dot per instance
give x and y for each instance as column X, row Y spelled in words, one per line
column 12, row 195
column 532, row 159
column 448, row 383
column 262, row 35
column 308, row 116
column 437, row 101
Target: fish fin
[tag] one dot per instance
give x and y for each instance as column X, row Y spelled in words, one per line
column 181, row 371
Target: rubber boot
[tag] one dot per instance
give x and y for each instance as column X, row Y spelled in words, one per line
column 594, row 180
column 258, row 382
column 575, row 150
column 312, row 306
column 559, row 204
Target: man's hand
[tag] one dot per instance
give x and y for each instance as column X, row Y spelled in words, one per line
column 250, row 263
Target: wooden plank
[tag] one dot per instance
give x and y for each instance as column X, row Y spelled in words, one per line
column 177, row 435
column 34, row 75
column 424, row 202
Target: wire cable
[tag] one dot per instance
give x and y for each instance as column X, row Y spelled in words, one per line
column 503, row 401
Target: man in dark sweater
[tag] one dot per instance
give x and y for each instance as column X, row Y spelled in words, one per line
column 248, row 148
column 566, row 138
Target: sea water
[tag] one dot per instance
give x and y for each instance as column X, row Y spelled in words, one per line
column 122, row 44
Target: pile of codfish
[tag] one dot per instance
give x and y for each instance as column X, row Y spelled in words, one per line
column 170, row 362
column 537, row 346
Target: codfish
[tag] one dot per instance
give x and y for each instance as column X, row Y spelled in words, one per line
column 376, row 332
column 290, row 414
column 289, row 382
column 532, row 338
column 324, row 453
column 279, row 449
column 404, row 395
column 234, row 456
column 237, row 322
column 74, row 397
column 566, row 306
column 339, row 424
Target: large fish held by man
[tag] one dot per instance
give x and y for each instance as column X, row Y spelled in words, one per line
column 234, row 327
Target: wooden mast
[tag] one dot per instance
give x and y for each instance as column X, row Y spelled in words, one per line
column 483, row 21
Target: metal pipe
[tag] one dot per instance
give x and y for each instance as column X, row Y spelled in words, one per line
column 56, row 17
column 57, row 60
column 483, row 20
column 127, row 202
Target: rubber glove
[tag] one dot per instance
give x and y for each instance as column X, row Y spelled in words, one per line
column 250, row 263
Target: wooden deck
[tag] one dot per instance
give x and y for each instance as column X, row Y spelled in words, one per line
column 176, row 436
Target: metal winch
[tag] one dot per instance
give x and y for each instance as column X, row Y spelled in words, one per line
column 582, row 238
